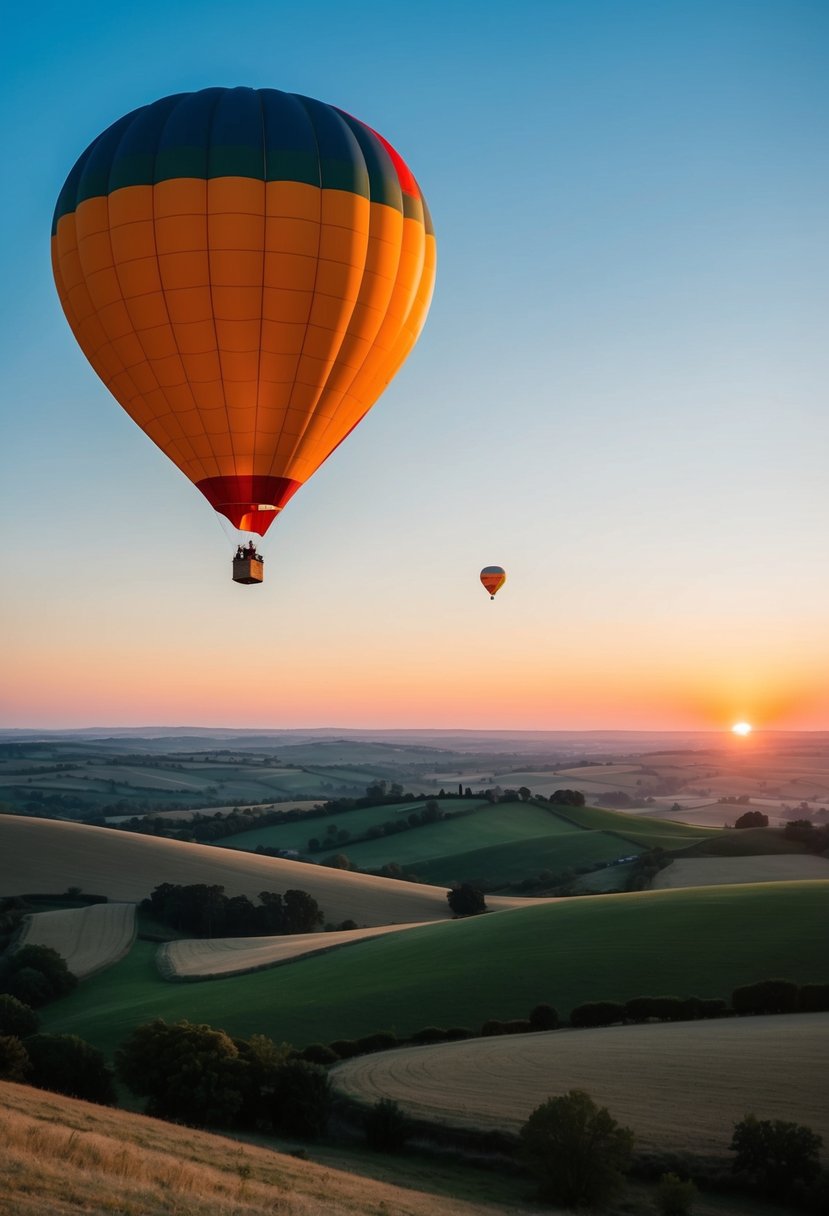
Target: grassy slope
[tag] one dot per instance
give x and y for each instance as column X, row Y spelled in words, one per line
column 701, row 941
column 744, row 842
column 646, row 831
column 512, row 862
column 296, row 835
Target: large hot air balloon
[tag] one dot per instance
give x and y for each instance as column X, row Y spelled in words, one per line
column 493, row 579
column 246, row 270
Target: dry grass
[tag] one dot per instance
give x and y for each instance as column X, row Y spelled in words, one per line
column 196, row 959
column 89, row 939
column 718, row 871
column 680, row 1087
column 62, row 1157
column 47, row 855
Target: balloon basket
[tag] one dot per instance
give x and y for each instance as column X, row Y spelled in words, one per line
column 248, row 570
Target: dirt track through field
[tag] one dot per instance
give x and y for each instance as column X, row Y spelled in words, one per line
column 680, row 1086
column 205, row 958
column 717, row 871
column 89, row 939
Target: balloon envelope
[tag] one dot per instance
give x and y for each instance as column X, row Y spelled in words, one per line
column 493, row 579
column 246, row 270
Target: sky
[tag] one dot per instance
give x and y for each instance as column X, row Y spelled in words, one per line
column 619, row 394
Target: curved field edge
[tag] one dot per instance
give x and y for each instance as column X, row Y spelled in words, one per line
column 89, row 939
column 693, row 941
column 769, row 1065
column 216, row 958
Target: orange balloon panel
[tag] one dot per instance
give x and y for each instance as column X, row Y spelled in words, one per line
column 493, row 579
column 246, row 270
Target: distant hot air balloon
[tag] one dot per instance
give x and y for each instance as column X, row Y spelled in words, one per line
column 246, row 270
column 493, row 579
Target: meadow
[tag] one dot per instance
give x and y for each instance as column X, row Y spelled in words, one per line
column 698, row 941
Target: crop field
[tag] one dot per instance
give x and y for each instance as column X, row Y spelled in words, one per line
column 89, row 939
column 199, row 958
column 698, row 941
column 68, row 1158
column 722, row 1069
column 46, row 855
column 356, row 822
column 713, row 871
column 502, row 864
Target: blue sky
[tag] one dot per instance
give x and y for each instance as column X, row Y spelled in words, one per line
column 619, row 395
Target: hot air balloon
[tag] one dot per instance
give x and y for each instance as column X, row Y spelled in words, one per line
column 493, row 579
column 246, row 270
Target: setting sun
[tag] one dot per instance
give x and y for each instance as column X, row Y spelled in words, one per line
column 741, row 728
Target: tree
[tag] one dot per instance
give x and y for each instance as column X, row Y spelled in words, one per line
column 674, row 1196
column 67, row 1065
column 386, row 1127
column 752, row 819
column 567, row 798
column 17, row 1018
column 776, row 1154
column 14, row 1059
column 525, row 793
column 576, row 1150
column 29, row 986
column 466, row 900
column 301, row 1099
column 49, row 963
column 186, row 1072
column 544, row 1017
column 767, row 996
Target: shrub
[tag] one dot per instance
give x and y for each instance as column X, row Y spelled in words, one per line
column 387, row 1128
column 454, row 1033
column 49, row 963
column 429, row 1034
column 752, row 819
column 769, row 996
column 14, row 1059
column 492, row 1026
column 812, row 998
column 29, row 986
column 466, row 900
column 67, row 1065
column 543, row 1017
column 381, row 1041
column 776, row 1154
column 597, row 1013
column 713, row 1007
column 16, row 1018
column 345, row 1048
column 575, row 1149
column 318, row 1053
column 301, row 1100
column 673, row 1196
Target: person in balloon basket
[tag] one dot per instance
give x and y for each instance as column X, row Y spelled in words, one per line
column 247, row 553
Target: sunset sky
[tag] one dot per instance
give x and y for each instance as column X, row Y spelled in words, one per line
column 620, row 394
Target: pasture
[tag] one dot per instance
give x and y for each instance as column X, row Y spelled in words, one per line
column 89, row 939
column 768, row 1065
column 699, row 941
column 557, row 853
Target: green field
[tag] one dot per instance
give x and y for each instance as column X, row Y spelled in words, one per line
column 744, row 842
column 646, row 831
column 504, row 864
column 356, row 822
column 458, row 973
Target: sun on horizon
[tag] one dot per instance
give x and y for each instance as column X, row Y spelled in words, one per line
column 741, row 728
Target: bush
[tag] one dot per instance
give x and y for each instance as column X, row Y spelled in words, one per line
column 29, row 986
column 301, row 1100
column 67, row 1065
column 812, row 998
column 381, row 1041
column 346, row 1049
column 673, row 1196
column 455, row 1033
column 49, row 963
column 597, row 1013
column 16, row 1018
column 769, row 996
column 318, row 1053
column 752, row 819
column 543, row 1017
column 466, row 900
column 14, row 1059
column 776, row 1154
column 576, row 1150
column 387, row 1128
column 429, row 1034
